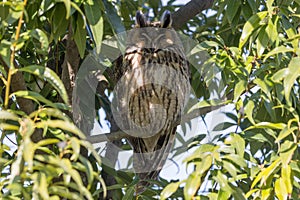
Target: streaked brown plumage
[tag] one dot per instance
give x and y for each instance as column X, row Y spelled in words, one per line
column 152, row 91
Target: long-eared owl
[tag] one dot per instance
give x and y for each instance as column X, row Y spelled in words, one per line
column 151, row 92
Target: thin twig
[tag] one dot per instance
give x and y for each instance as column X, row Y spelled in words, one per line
column 12, row 58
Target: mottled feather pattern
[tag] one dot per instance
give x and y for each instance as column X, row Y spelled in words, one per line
column 152, row 90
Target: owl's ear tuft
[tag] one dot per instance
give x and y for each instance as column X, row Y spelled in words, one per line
column 166, row 19
column 140, row 19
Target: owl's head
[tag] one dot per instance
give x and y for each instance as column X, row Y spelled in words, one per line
column 165, row 20
column 152, row 35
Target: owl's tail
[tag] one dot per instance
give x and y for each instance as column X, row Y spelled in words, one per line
column 153, row 162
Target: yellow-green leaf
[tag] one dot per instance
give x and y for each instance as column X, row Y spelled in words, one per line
column 250, row 26
column 192, row 185
column 169, row 190
column 48, row 74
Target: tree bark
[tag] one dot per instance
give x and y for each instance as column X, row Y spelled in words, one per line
column 188, row 11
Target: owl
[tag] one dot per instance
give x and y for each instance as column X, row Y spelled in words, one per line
column 151, row 92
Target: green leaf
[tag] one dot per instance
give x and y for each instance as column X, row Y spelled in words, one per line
column 169, row 190
column 34, row 96
column 266, row 173
column 280, row 75
column 270, row 125
column 59, row 22
column 42, row 39
column 286, row 174
column 205, row 164
column 64, row 125
column 277, row 50
column 204, row 103
column 252, row 24
column 270, row 7
column 46, row 73
column 88, row 170
column 248, row 109
column 5, row 53
column 80, row 36
column 239, row 89
column 68, row 8
column 223, row 126
column 290, row 31
column 223, row 195
column 75, row 143
column 232, row 8
column 95, row 19
column 294, row 73
column 287, row 151
column 7, row 115
column 237, row 142
column 285, row 132
column 192, row 185
column 280, row 189
column 262, row 41
column 237, row 159
column 129, row 193
column 271, row 30
column 113, row 18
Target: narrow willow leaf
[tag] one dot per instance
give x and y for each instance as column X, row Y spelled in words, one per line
column 285, row 132
column 250, row 26
column 286, row 175
column 192, row 185
column 204, row 103
column 64, row 125
column 248, row 109
column 262, row 41
column 271, row 30
column 95, row 19
column 75, row 143
column 68, row 7
column 46, row 73
column 129, row 193
column 239, row 89
column 287, row 151
column 80, row 36
column 88, row 170
column 50, row 112
column 205, row 164
column 270, row 125
column 238, row 160
column 266, row 193
column 290, row 30
column 280, row 75
column 169, row 190
column 42, row 38
column 270, row 7
column 294, row 73
column 232, row 8
column 33, row 96
column 280, row 189
column 278, row 50
column 113, row 18
column 237, row 142
column 265, row 173
column 8, row 127
column 7, row 115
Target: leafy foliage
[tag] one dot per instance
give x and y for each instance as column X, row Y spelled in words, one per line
column 254, row 48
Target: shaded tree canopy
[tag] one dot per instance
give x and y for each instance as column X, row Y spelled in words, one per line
column 251, row 72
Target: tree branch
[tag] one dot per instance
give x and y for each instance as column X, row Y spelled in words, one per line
column 188, row 11
column 117, row 135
